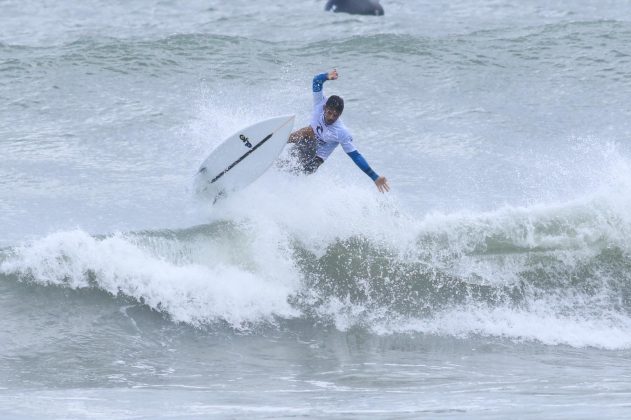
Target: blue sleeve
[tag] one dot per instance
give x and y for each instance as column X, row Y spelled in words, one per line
column 318, row 81
column 363, row 165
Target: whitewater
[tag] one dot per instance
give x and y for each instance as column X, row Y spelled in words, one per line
column 492, row 281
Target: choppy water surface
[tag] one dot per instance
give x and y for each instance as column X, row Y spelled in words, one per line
column 492, row 281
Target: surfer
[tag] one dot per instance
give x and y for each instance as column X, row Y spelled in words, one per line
column 316, row 142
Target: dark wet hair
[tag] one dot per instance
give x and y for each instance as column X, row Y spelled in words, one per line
column 336, row 103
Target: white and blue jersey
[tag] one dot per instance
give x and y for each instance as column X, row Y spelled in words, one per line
column 329, row 136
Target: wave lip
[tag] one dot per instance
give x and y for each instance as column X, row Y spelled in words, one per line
column 186, row 292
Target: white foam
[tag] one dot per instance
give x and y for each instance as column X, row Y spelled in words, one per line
column 192, row 293
column 249, row 276
column 607, row 331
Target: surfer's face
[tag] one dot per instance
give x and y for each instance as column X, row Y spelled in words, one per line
column 330, row 115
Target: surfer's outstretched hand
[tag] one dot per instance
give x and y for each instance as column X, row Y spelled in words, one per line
column 332, row 75
column 382, row 184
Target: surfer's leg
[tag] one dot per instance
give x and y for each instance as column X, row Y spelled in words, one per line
column 304, row 150
column 306, row 156
column 303, row 153
column 304, row 133
column 312, row 165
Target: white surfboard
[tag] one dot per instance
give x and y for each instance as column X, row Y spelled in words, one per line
column 243, row 157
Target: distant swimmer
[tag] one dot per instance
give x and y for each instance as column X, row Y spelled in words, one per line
column 355, row 7
column 315, row 143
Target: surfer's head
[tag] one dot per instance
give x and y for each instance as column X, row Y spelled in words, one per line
column 333, row 109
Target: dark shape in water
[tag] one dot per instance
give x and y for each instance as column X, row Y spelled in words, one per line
column 355, row 7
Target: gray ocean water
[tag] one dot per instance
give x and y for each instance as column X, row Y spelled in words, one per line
column 493, row 281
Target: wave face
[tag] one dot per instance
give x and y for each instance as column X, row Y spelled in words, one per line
column 503, row 129
column 556, row 273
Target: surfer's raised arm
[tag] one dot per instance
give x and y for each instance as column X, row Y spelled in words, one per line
column 318, row 82
column 315, row 143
